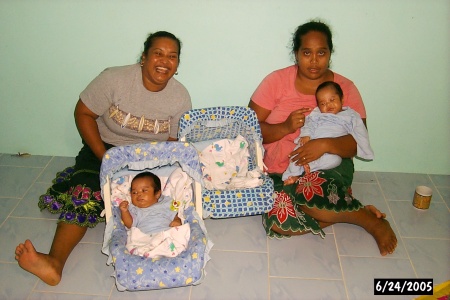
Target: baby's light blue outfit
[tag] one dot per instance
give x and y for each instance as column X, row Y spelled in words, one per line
column 326, row 125
column 155, row 218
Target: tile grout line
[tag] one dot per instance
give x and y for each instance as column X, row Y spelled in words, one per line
column 396, row 226
column 268, row 267
column 26, row 191
column 436, row 188
column 340, row 263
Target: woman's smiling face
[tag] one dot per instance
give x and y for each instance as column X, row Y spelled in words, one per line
column 313, row 56
column 159, row 64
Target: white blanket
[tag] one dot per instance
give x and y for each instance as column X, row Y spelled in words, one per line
column 168, row 243
column 225, row 165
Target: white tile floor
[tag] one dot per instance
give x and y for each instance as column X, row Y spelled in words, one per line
column 245, row 264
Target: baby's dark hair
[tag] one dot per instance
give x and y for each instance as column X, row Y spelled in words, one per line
column 155, row 179
column 332, row 84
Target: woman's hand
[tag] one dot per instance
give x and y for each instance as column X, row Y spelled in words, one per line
column 309, row 151
column 275, row 132
column 344, row 146
column 296, row 119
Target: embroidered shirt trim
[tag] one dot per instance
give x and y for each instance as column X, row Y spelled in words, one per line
column 129, row 121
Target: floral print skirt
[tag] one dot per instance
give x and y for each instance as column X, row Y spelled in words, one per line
column 327, row 189
column 75, row 193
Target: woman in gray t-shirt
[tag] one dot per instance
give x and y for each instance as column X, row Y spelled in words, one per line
column 123, row 105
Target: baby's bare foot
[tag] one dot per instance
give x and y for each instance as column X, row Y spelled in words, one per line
column 39, row 264
column 290, row 180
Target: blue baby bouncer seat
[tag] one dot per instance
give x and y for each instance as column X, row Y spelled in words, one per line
column 134, row 272
column 208, row 125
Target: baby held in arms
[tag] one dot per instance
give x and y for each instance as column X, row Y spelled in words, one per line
column 329, row 119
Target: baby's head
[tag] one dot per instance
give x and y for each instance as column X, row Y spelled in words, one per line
column 329, row 97
column 145, row 189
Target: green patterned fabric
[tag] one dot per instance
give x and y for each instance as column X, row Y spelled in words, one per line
column 327, row 189
column 75, row 193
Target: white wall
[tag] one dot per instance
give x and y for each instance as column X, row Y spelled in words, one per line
column 397, row 53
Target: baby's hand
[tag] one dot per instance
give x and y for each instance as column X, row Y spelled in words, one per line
column 123, row 206
column 304, row 140
column 175, row 223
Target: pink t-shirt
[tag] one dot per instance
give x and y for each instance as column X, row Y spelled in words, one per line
column 277, row 93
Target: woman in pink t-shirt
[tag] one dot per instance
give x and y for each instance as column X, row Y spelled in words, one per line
column 322, row 198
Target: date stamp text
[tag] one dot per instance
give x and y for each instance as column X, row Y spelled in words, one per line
column 403, row 286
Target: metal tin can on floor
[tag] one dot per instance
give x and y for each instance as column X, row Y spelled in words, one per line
column 422, row 197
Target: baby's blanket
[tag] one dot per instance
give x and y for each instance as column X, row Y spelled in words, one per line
column 168, row 243
column 225, row 165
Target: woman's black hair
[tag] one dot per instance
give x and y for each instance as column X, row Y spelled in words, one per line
column 156, row 181
column 160, row 34
column 332, row 84
column 308, row 27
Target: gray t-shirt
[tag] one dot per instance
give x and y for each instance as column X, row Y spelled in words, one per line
column 128, row 112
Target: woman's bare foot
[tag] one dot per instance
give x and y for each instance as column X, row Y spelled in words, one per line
column 383, row 234
column 39, row 264
column 375, row 211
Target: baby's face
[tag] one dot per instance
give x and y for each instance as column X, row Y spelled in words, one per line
column 143, row 193
column 329, row 101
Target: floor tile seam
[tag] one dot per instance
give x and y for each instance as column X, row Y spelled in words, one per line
column 305, row 278
column 113, row 287
column 91, row 243
column 33, row 218
column 34, row 181
column 440, row 200
column 190, row 291
column 67, row 293
column 340, row 264
column 426, row 238
column 431, row 179
column 9, row 215
column 365, row 183
column 442, row 197
column 28, row 167
column 410, row 200
column 400, row 237
column 376, row 257
column 241, row 251
column 412, row 264
column 382, row 193
column 43, row 182
column 36, row 282
column 268, row 266
column 5, row 197
column 448, row 207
